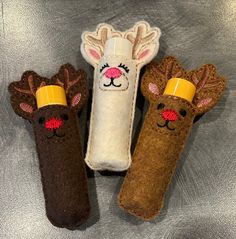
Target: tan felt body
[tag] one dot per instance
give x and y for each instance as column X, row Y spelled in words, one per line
column 153, row 165
column 166, row 126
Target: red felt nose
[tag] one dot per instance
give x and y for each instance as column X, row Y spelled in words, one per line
column 113, row 72
column 53, row 123
column 170, row 115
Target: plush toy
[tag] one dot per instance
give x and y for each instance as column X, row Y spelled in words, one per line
column 117, row 58
column 51, row 105
column 176, row 96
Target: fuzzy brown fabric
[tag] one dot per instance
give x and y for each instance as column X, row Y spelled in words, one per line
column 59, row 150
column 160, row 142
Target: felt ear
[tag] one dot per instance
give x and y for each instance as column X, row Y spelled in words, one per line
column 23, row 94
column 156, row 75
column 24, row 107
column 145, row 41
column 91, row 53
column 75, row 85
column 93, row 43
column 147, row 53
column 209, row 87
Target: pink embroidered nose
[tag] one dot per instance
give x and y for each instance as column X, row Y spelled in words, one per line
column 113, row 72
column 53, row 123
column 170, row 115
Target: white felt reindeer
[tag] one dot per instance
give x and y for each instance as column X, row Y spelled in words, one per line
column 117, row 58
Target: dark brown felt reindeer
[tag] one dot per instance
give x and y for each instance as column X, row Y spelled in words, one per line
column 166, row 126
column 58, row 143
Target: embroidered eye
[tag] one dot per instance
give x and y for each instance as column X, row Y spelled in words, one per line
column 41, row 120
column 160, row 106
column 65, row 117
column 123, row 66
column 103, row 67
column 183, row 112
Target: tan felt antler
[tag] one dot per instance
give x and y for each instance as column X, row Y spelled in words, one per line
column 143, row 37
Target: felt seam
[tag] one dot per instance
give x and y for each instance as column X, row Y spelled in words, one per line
column 138, row 65
column 58, row 157
column 131, row 199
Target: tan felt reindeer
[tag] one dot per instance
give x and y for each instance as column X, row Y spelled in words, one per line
column 166, row 126
column 117, row 58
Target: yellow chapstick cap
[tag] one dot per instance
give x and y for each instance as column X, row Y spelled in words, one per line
column 50, row 95
column 181, row 88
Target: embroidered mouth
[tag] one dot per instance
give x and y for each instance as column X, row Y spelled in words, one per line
column 166, row 125
column 55, row 135
column 111, row 83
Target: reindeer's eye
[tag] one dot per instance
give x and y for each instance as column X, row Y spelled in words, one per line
column 123, row 66
column 65, row 117
column 41, row 120
column 103, row 67
column 183, row 112
column 160, row 106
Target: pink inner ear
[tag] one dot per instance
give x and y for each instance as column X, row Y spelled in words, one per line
column 76, row 99
column 204, row 102
column 143, row 54
column 153, row 88
column 94, row 54
column 26, row 107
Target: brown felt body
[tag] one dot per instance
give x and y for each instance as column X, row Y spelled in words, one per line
column 59, row 148
column 154, row 162
column 62, row 168
column 159, row 147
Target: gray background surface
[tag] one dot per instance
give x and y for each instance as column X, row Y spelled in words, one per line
column 42, row 35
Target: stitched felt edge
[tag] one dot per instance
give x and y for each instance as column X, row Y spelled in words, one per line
column 131, row 117
column 17, row 97
column 153, row 213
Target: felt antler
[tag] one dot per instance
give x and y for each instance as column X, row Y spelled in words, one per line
column 57, row 139
column 94, row 42
column 31, row 90
column 23, row 94
column 165, row 129
column 117, row 58
column 100, row 42
column 206, row 82
column 29, row 83
column 67, row 83
column 143, row 37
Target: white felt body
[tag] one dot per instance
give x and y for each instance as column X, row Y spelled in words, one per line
column 112, row 119
column 112, row 52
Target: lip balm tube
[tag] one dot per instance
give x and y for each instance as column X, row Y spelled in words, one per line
column 58, row 143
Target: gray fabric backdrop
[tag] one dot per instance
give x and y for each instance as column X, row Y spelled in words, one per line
column 42, row 35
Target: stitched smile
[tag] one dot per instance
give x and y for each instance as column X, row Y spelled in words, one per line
column 165, row 125
column 112, row 83
column 55, row 134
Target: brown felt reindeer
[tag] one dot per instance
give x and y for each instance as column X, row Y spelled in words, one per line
column 57, row 136
column 166, row 126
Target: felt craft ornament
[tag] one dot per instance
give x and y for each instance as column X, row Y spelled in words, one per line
column 176, row 96
column 117, row 58
column 51, row 105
